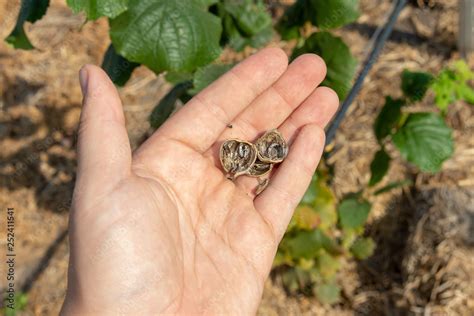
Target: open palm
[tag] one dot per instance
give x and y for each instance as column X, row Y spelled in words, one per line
column 163, row 231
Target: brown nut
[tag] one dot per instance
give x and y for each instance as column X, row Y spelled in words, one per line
column 260, row 168
column 237, row 156
column 271, row 147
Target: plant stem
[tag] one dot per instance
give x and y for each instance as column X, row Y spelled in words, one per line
column 368, row 63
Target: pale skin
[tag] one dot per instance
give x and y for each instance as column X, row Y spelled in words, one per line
column 162, row 230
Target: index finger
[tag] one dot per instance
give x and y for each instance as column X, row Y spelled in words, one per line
column 199, row 123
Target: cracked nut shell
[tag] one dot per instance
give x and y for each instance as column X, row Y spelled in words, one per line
column 260, row 168
column 271, row 147
column 237, row 156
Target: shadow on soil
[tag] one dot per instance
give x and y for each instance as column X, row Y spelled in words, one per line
column 382, row 272
column 47, row 162
column 409, row 257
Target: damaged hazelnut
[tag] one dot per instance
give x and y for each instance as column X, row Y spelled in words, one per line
column 260, row 168
column 271, row 147
column 237, row 156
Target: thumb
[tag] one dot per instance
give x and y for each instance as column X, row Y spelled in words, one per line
column 104, row 154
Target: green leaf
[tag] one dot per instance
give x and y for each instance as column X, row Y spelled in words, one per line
column 327, row 265
column 166, row 106
column 282, row 258
column 379, row 166
column 452, row 84
column 463, row 76
column 353, row 212
column 206, row 3
column 294, row 17
column 425, row 140
column 392, row 185
column 178, row 77
column 30, row 11
column 463, row 71
column 415, row 84
column 334, row 13
column 21, row 301
column 238, row 42
column 94, row 9
column 167, row 35
column 466, row 93
column 325, row 205
column 117, row 67
column 251, row 17
column 328, row 293
column 349, row 236
column 321, row 13
column 388, row 118
column 444, row 89
column 314, row 275
column 245, row 23
column 340, row 63
column 322, row 200
column 305, row 217
column 306, row 264
column 206, row 75
column 363, row 248
column 311, row 191
column 306, row 244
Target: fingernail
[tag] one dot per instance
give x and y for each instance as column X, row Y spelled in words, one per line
column 83, row 78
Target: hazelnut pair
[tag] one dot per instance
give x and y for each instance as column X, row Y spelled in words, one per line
column 239, row 157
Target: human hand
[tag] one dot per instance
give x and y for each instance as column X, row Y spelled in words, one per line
column 163, row 231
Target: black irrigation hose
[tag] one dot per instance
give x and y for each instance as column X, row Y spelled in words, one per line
column 44, row 262
column 369, row 62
